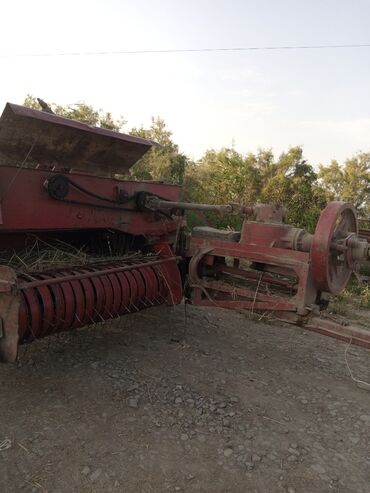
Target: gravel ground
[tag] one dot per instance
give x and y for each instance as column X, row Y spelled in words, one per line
column 207, row 401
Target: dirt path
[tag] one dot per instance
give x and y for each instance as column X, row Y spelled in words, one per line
column 221, row 404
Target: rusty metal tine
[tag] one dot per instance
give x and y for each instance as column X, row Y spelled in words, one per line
column 99, row 315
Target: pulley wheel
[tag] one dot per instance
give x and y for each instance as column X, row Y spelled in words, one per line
column 331, row 269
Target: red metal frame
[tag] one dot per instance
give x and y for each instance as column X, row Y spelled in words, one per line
column 319, row 262
column 203, row 251
column 346, row 333
column 26, row 205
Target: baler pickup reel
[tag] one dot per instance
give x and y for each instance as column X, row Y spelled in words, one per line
column 59, row 186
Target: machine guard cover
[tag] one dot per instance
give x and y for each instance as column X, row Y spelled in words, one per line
column 51, row 140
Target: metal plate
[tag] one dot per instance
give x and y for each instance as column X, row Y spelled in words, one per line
column 80, row 303
column 89, row 298
column 69, row 303
column 35, row 313
column 150, row 283
column 108, row 297
column 140, row 303
column 117, row 295
column 48, row 310
column 99, row 296
column 125, row 290
column 59, row 304
column 134, row 291
column 65, row 143
column 24, row 316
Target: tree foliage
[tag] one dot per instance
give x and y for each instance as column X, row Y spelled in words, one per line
column 294, row 185
column 81, row 112
column 163, row 162
column 227, row 176
column 349, row 182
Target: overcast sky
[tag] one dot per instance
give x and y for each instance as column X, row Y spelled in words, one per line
column 315, row 98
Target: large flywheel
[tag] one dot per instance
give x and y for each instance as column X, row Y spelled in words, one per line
column 330, row 252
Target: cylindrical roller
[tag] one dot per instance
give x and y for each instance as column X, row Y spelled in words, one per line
column 80, row 304
column 67, row 299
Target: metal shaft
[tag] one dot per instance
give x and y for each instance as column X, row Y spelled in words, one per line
column 155, row 203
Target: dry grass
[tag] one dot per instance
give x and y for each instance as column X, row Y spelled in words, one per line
column 42, row 256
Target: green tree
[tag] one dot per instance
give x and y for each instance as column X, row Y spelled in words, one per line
column 163, row 162
column 221, row 177
column 350, row 182
column 294, row 185
column 227, row 176
column 81, row 112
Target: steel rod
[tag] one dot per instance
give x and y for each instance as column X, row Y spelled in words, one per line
column 55, row 280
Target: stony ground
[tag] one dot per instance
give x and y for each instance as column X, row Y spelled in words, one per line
column 211, row 402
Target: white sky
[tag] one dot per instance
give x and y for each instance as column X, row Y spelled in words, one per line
column 315, row 98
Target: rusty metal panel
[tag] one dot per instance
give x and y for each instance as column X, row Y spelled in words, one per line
column 27, row 206
column 51, row 140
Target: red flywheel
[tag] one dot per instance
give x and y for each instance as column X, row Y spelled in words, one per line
column 331, row 266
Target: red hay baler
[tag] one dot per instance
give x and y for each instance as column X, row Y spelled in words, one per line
column 61, row 182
